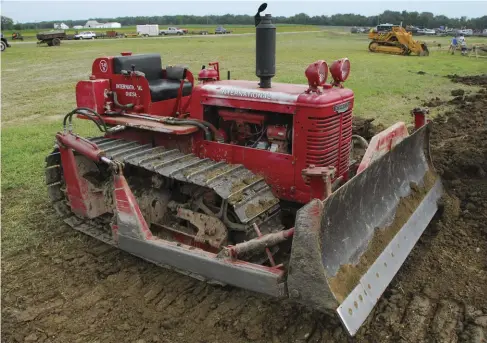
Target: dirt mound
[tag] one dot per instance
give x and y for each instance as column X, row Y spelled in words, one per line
column 457, row 92
column 475, row 80
column 72, row 288
column 433, row 102
column 440, row 295
column 365, row 127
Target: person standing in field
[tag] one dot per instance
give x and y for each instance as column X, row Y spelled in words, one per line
column 463, row 45
column 453, row 45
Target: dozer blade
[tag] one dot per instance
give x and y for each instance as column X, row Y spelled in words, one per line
column 347, row 249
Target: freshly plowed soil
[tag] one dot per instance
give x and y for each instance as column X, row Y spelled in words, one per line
column 440, row 294
column 72, row 288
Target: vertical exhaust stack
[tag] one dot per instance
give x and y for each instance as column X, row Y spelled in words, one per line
column 265, row 55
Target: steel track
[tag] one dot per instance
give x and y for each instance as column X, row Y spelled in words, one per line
column 251, row 200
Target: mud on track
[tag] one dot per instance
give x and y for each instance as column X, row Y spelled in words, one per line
column 71, row 288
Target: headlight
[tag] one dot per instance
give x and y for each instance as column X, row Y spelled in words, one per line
column 340, row 70
column 317, row 73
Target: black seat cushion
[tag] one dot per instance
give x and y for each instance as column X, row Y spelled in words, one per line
column 163, row 89
column 175, row 73
column 151, row 65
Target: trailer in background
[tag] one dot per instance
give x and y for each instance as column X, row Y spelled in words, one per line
column 51, row 38
column 110, row 34
column 148, row 30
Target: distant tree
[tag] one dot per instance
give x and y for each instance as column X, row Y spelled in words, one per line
column 7, row 23
column 424, row 19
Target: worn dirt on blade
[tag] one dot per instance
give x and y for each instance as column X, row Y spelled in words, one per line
column 72, row 288
column 348, row 276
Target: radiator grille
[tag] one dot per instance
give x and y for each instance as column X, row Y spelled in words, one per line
column 328, row 141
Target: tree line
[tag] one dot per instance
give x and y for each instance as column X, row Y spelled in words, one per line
column 423, row 19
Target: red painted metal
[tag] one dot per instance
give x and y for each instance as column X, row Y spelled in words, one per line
column 261, row 162
column 82, row 200
column 340, row 70
column 216, row 66
column 319, row 179
column 210, row 74
column 241, row 116
column 321, row 135
column 321, row 124
column 81, row 145
column 76, row 189
column 128, row 211
column 102, row 67
column 129, row 214
column 382, row 143
column 91, row 94
column 316, row 73
column 420, row 117
column 186, row 239
column 130, row 89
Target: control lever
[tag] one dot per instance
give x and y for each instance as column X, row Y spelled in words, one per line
column 136, row 72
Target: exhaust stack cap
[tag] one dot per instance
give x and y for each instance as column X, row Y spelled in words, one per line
column 265, row 57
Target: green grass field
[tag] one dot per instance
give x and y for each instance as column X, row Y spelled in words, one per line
column 38, row 87
column 31, row 34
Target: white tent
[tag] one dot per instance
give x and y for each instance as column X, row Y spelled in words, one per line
column 61, row 26
column 96, row 25
column 110, row 25
column 92, row 24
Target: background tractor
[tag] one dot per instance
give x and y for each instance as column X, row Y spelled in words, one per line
column 258, row 185
column 17, row 36
column 394, row 39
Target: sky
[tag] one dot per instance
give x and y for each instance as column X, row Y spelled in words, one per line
column 32, row 11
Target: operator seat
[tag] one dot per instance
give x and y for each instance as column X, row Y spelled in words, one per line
column 162, row 86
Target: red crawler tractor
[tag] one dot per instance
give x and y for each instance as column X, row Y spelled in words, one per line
column 256, row 185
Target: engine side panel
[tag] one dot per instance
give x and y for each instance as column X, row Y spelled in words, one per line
column 316, row 129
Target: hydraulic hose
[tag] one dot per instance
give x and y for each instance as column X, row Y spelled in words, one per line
column 363, row 142
column 217, row 135
column 113, row 113
column 173, row 121
column 115, row 100
column 88, row 113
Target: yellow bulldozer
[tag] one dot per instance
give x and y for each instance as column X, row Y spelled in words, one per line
column 394, row 39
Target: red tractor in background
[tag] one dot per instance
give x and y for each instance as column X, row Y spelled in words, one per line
column 255, row 185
